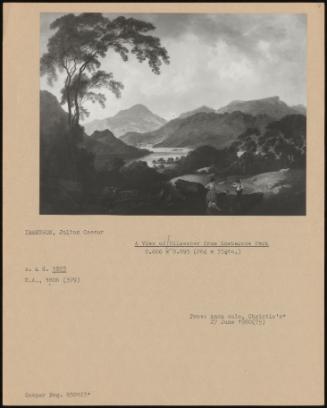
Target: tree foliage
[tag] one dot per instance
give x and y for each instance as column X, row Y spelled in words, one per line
column 81, row 42
column 283, row 142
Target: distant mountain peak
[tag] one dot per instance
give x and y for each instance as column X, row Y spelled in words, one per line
column 275, row 98
column 201, row 109
column 137, row 118
column 272, row 106
column 138, row 108
column 266, row 99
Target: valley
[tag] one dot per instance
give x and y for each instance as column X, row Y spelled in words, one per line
column 168, row 170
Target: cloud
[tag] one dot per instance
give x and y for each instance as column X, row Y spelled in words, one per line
column 215, row 58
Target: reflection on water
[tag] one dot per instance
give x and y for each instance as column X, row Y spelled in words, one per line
column 162, row 155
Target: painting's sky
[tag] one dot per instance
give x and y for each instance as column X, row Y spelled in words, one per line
column 215, row 58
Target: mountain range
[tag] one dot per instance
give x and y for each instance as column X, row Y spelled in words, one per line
column 273, row 107
column 201, row 126
column 214, row 129
column 217, row 128
column 138, row 118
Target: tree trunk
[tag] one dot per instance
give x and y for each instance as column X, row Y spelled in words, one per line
column 77, row 110
column 68, row 97
column 69, row 106
column 77, row 113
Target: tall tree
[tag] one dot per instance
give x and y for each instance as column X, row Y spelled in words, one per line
column 79, row 44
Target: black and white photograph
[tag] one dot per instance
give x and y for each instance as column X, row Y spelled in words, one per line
column 173, row 114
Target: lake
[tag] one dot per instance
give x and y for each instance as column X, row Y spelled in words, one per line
column 162, row 153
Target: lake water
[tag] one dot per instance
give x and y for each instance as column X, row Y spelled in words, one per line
column 164, row 153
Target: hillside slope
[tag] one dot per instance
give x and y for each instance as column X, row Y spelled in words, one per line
column 138, row 118
column 106, row 147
